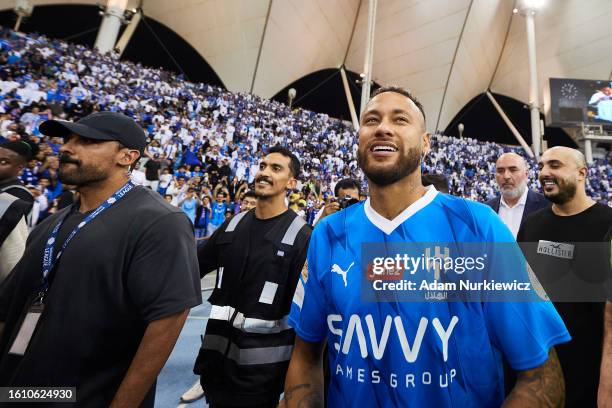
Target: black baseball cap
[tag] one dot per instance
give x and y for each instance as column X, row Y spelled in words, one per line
column 100, row 126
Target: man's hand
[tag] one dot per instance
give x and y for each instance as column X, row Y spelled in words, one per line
column 330, row 208
column 540, row 387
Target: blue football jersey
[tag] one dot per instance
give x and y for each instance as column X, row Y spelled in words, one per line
column 412, row 354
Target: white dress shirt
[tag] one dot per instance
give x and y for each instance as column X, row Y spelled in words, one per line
column 512, row 216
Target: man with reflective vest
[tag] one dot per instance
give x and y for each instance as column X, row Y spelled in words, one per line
column 258, row 256
column 15, row 203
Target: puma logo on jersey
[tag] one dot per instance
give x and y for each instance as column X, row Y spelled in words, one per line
column 339, row 271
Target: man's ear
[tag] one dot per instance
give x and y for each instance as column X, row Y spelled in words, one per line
column 291, row 184
column 426, row 146
column 583, row 173
column 128, row 157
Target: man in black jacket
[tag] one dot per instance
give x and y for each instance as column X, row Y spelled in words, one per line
column 258, row 255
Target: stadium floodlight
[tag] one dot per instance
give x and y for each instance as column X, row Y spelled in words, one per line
column 291, row 94
column 23, row 9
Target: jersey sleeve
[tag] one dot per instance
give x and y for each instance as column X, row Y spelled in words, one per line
column 308, row 309
column 524, row 331
column 163, row 276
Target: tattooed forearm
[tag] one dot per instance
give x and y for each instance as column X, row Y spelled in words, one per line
column 311, row 400
column 290, row 393
column 540, row 387
column 303, row 396
column 304, row 381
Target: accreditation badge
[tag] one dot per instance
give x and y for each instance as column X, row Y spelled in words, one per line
column 27, row 328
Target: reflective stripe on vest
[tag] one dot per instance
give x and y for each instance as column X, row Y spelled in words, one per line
column 234, row 222
column 6, row 200
column 298, row 296
column 19, row 186
column 290, row 235
column 250, row 356
column 248, row 324
column 293, row 230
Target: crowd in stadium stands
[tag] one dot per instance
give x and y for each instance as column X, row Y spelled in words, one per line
column 205, row 142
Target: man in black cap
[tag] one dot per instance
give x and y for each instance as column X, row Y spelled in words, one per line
column 106, row 283
column 15, row 203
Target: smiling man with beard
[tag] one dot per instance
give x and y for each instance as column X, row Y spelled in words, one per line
column 104, row 286
column 388, row 353
column 258, row 255
column 568, row 245
column 516, row 201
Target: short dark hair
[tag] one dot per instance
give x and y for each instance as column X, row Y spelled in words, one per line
column 249, row 193
column 401, row 91
column 346, row 184
column 294, row 164
column 439, row 181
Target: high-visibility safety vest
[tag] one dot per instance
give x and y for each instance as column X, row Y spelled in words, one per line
column 247, row 346
column 13, row 231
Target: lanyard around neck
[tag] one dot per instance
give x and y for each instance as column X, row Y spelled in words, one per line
column 49, row 261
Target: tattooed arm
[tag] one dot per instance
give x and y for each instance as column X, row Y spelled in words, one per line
column 304, row 382
column 540, row 387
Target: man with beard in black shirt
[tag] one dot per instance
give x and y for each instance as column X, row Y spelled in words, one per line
column 568, row 246
column 104, row 287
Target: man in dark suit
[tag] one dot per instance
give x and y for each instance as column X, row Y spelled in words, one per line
column 516, row 201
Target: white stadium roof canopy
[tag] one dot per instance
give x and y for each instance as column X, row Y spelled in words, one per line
column 445, row 51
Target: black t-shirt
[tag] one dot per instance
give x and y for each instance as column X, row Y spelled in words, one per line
column 259, row 248
column 152, row 170
column 134, row 263
column 65, row 199
column 581, row 357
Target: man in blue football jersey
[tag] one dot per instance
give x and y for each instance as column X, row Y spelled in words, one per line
column 218, row 213
column 389, row 353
